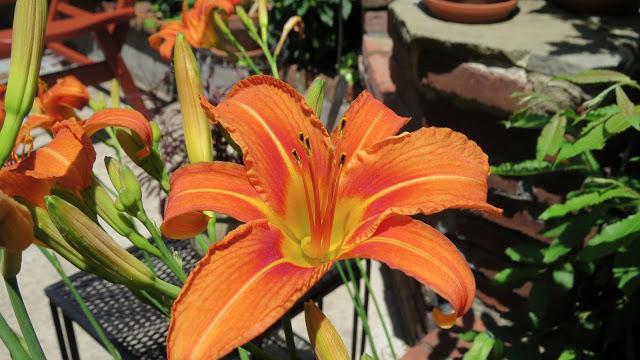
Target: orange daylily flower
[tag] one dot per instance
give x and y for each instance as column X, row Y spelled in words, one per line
column 61, row 99
column 195, row 24
column 68, row 159
column 309, row 199
column 54, row 105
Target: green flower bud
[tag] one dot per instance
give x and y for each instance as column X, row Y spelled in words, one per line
column 315, row 95
column 325, row 340
column 48, row 234
column 197, row 133
column 104, row 254
column 126, row 184
column 27, row 42
column 246, row 20
column 98, row 199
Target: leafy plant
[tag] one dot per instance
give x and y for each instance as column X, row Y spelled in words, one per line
column 584, row 285
column 322, row 20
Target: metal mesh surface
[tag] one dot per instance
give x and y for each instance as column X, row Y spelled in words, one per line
column 136, row 329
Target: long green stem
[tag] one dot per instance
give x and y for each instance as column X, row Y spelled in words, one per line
column 257, row 352
column 367, row 282
column 167, row 257
column 358, row 305
column 202, row 243
column 83, row 306
column 265, row 49
column 11, row 341
column 20, row 311
column 288, row 334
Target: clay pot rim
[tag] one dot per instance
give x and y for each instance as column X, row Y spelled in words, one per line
column 466, row 6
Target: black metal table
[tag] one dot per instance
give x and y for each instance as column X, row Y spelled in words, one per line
column 136, row 329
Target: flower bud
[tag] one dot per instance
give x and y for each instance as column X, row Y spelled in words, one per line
column 294, row 23
column 98, row 199
column 315, row 95
column 325, row 340
column 89, row 239
column 27, row 42
column 246, row 20
column 197, row 133
column 126, row 184
column 48, row 234
column 263, row 19
column 132, row 145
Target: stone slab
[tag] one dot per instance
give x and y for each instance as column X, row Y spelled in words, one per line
column 539, row 37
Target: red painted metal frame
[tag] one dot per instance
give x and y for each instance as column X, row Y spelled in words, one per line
column 66, row 22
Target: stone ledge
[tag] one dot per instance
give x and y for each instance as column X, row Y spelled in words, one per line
column 538, row 38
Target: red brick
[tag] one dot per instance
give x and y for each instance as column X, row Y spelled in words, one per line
column 379, row 74
column 490, row 86
column 372, row 44
column 375, row 21
column 375, row 4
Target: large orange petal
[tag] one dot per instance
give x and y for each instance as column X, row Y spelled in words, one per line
column 423, row 253
column 125, row 118
column 426, row 171
column 62, row 98
column 239, row 289
column 15, row 183
column 367, row 121
column 265, row 117
column 216, row 186
column 67, row 159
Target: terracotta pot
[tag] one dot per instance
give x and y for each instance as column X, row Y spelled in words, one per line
column 471, row 11
column 617, row 7
column 238, row 30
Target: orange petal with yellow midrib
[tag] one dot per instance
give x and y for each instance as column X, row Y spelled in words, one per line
column 265, row 117
column 427, row 171
column 423, row 253
column 217, row 186
column 236, row 292
column 367, row 121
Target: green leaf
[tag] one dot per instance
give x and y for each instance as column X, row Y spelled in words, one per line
column 468, row 336
column 564, row 277
column 366, row 357
column 568, row 354
column 551, row 137
column 599, row 98
column 612, row 237
column 514, row 277
column 569, row 234
column 532, row 167
column 539, row 297
column 481, row 348
column 526, row 120
column 626, row 268
column 586, row 200
column 626, row 106
column 525, row 253
column 619, row 123
column 594, row 139
column 346, row 8
column 596, row 76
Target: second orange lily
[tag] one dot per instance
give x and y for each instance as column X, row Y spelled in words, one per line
column 310, row 199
